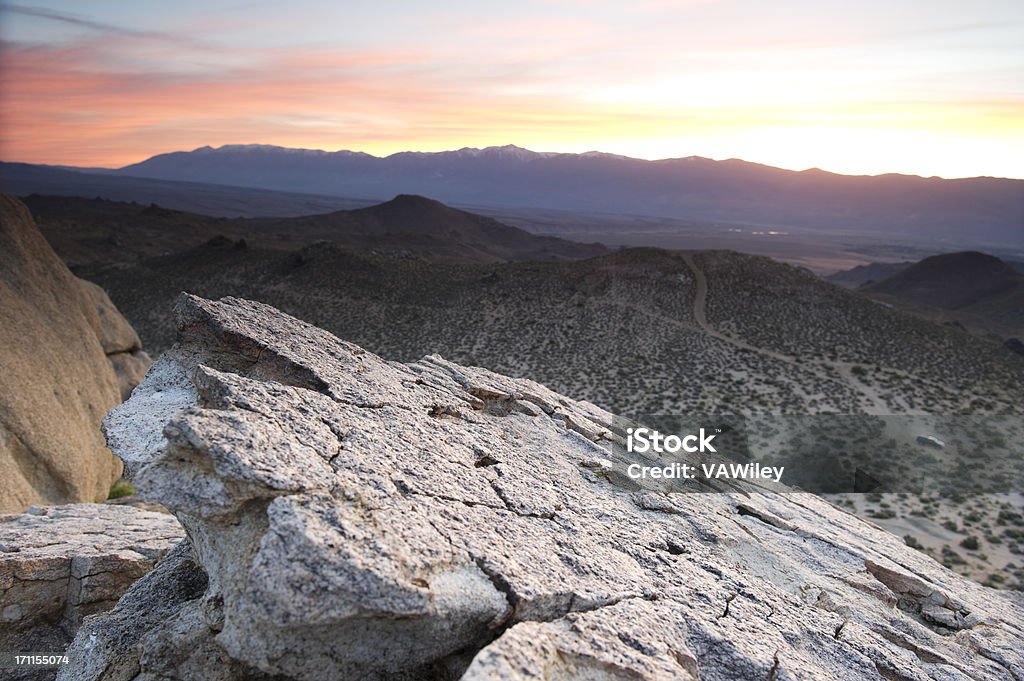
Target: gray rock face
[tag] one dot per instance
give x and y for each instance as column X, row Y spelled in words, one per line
column 66, row 357
column 158, row 625
column 59, row 564
column 353, row 518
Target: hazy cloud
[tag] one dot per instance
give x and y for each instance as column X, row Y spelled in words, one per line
column 101, row 27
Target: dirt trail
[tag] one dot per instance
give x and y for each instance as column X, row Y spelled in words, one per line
column 699, row 314
column 876, row 405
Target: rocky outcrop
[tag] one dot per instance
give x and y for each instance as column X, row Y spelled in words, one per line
column 353, row 518
column 159, row 625
column 56, row 381
column 59, row 564
column 117, row 337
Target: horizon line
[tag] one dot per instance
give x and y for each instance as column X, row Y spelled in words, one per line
column 548, row 154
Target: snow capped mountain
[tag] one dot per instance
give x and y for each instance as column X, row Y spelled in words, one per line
column 272, row 148
column 508, row 151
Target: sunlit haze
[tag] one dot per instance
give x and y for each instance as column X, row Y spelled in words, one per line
column 930, row 88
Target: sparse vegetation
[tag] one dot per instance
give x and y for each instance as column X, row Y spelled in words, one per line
column 911, row 541
column 121, row 489
column 970, row 543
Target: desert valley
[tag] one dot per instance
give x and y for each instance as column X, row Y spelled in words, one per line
column 861, row 361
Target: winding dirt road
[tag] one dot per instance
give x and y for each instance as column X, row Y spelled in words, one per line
column 875, row 404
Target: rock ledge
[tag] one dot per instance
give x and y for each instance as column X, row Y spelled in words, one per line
column 352, row 518
column 59, row 564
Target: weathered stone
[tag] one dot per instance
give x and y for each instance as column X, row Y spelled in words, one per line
column 117, row 337
column 56, row 381
column 130, row 368
column 107, row 647
column 361, row 519
column 113, row 330
column 59, row 564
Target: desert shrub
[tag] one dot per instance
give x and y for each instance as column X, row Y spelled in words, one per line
column 121, row 489
column 911, row 541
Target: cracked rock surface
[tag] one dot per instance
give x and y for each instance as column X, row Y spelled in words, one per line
column 353, row 518
column 59, row 564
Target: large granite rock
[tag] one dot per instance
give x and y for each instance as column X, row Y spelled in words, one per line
column 59, row 564
column 59, row 341
column 117, row 338
column 353, row 518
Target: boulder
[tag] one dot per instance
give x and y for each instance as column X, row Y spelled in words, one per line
column 117, row 337
column 66, row 357
column 353, row 518
column 129, row 368
column 59, row 564
column 55, row 382
column 115, row 334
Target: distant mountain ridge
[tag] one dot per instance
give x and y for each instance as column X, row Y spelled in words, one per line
column 214, row 199
column 87, row 231
column 691, row 187
column 861, row 275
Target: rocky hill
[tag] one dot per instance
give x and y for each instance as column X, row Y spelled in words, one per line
column 977, row 290
column 351, row 518
column 67, row 356
column 87, row 231
column 415, row 225
column 866, row 274
column 619, row 330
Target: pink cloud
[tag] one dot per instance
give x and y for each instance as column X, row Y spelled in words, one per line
column 71, row 105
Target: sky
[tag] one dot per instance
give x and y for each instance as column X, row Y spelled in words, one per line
column 928, row 87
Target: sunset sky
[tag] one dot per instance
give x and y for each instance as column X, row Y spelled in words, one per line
column 932, row 87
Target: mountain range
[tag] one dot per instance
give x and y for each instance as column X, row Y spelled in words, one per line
column 213, row 199
column 982, row 209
